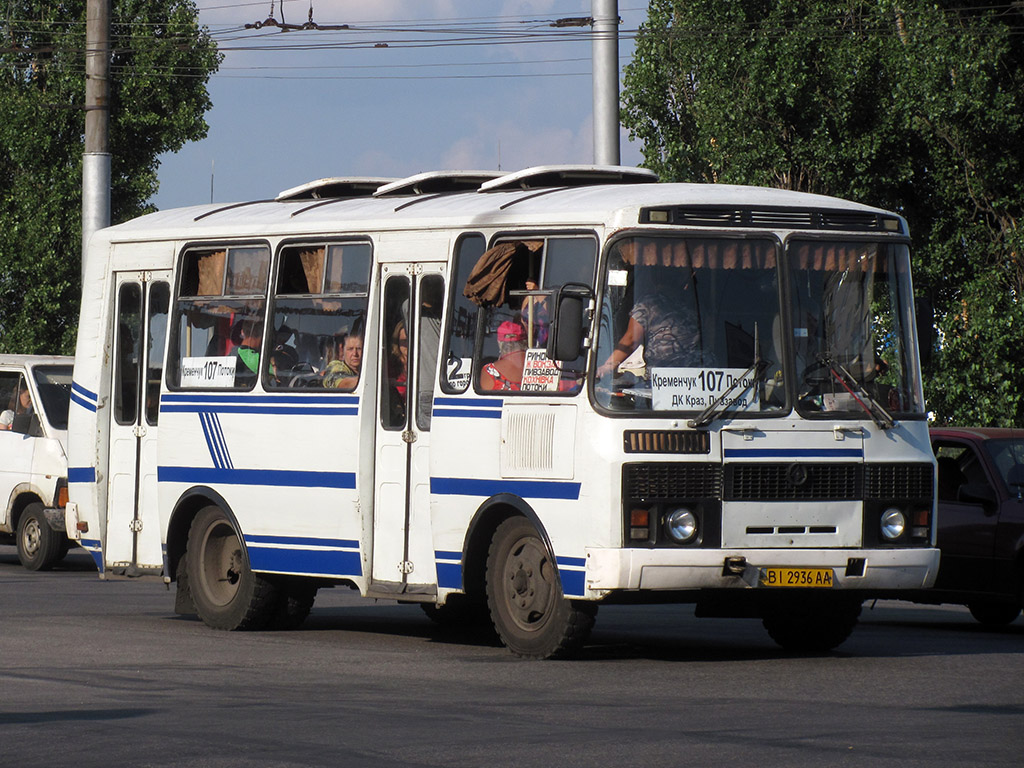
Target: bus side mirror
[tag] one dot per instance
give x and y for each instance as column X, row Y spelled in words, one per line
column 565, row 341
column 925, row 328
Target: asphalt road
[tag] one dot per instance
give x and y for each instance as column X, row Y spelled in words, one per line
column 100, row 673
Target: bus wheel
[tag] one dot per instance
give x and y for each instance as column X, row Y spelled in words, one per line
column 226, row 593
column 994, row 614
column 296, row 601
column 458, row 612
column 811, row 625
column 38, row 543
column 529, row 612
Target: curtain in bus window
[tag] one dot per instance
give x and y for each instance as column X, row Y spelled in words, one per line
column 319, row 316
column 218, row 326
column 488, row 283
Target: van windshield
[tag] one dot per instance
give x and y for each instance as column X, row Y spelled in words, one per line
column 53, row 383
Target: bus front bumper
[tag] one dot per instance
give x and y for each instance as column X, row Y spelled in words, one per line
column 677, row 569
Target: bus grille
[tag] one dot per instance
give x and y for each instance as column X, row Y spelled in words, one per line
column 770, row 217
column 673, row 481
column 897, row 481
column 793, row 482
column 778, row 482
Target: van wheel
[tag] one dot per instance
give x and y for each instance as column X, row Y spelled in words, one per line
column 530, row 614
column 994, row 614
column 38, row 543
column 811, row 625
column 226, row 593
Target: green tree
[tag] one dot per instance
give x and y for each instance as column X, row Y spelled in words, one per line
column 160, row 64
column 912, row 105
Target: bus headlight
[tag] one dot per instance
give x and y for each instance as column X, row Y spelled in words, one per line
column 893, row 524
column 681, row 525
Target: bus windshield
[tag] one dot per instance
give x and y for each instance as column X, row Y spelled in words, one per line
column 691, row 323
column 695, row 324
column 852, row 334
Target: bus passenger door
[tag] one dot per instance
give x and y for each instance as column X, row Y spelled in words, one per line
column 133, row 540
column 410, row 326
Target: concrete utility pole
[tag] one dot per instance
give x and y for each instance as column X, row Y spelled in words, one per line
column 606, row 81
column 96, row 160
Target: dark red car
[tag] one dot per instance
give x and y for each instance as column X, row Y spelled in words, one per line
column 980, row 522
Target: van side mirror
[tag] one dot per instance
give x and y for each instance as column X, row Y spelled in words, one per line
column 565, row 341
column 925, row 320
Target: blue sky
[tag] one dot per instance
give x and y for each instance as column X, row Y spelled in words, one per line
column 413, row 85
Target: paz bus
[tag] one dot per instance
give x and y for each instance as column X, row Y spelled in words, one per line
column 574, row 386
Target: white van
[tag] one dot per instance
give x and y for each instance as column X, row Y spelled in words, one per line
column 35, row 392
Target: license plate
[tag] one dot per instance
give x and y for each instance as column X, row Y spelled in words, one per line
column 797, row 577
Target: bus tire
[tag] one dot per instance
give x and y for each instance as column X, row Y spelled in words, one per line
column 529, row 612
column 811, row 625
column 994, row 614
column 38, row 543
column 296, row 601
column 226, row 593
column 458, row 612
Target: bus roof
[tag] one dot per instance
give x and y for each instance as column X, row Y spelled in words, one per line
column 580, row 195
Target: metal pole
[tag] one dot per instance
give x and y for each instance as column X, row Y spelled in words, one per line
column 606, row 81
column 96, row 160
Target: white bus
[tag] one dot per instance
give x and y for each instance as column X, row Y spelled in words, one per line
column 510, row 396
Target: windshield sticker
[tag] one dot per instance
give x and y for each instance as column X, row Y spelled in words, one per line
column 539, row 373
column 800, row 333
column 618, row 277
column 459, row 372
column 689, row 389
column 217, row 372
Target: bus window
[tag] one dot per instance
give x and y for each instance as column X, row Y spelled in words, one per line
column 458, row 351
column 126, row 367
column 515, row 282
column 395, row 342
column 318, row 316
column 431, row 297
column 218, row 322
column 159, row 302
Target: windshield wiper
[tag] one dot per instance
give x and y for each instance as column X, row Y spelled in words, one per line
column 871, row 407
column 716, row 408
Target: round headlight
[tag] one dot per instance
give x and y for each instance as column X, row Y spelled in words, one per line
column 893, row 524
column 681, row 525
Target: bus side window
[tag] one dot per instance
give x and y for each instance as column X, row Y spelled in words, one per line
column 517, row 281
column 319, row 316
column 462, row 320
column 394, row 389
column 218, row 318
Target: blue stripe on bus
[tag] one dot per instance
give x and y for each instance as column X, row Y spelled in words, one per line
column 89, row 406
column 93, row 547
column 76, row 387
column 573, row 582
column 449, row 575
column 457, row 556
column 301, row 541
column 320, row 562
column 274, row 410
column 250, row 399
column 527, row 489
column 854, row 453
column 81, row 474
column 282, row 478
column 469, row 402
column 465, row 413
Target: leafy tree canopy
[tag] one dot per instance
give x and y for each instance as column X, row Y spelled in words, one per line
column 160, row 64
column 916, row 106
